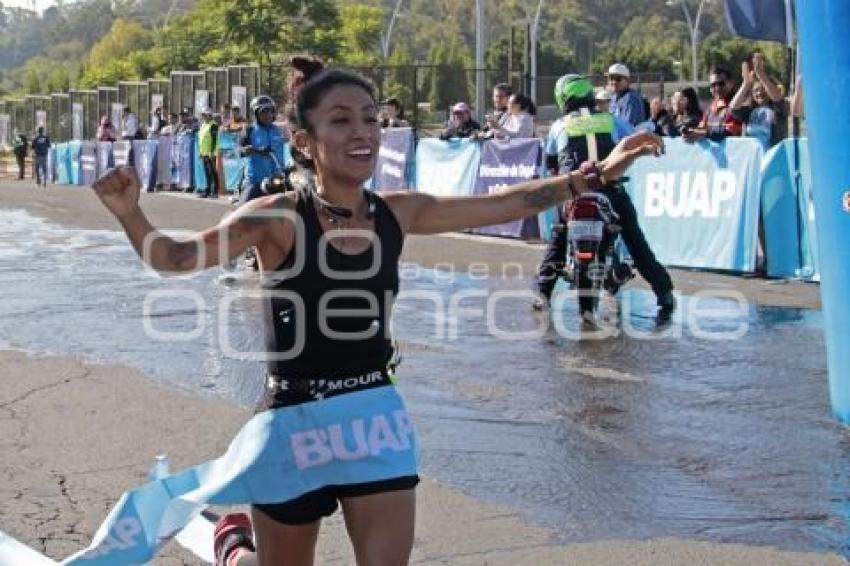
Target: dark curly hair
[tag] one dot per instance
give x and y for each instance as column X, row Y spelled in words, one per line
column 302, row 68
column 310, row 95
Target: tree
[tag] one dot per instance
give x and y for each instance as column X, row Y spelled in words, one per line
column 449, row 80
column 360, row 35
column 266, row 27
column 401, row 77
column 33, row 84
column 123, row 38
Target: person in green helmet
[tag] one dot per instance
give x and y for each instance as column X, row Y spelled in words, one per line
column 586, row 134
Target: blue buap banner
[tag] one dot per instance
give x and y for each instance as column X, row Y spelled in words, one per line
column 104, row 157
column 698, row 203
column 165, row 173
column 88, row 162
column 51, row 164
column 182, row 155
column 198, row 174
column 395, row 158
column 63, row 164
column 121, row 153
column 144, row 152
column 506, row 163
column 447, row 167
column 231, row 161
column 74, row 148
column 788, row 211
column 277, row 456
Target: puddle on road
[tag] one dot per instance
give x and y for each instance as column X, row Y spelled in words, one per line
column 644, row 433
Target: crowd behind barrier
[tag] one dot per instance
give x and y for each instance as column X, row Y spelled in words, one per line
column 699, row 204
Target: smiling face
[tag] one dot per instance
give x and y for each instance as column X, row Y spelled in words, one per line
column 759, row 94
column 344, row 135
column 500, row 99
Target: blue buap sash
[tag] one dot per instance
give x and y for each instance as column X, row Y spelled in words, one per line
column 277, row 456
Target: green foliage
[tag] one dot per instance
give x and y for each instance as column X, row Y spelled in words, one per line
column 449, row 79
column 401, row 77
column 729, row 53
column 283, row 26
column 360, row 35
column 124, row 37
column 33, row 83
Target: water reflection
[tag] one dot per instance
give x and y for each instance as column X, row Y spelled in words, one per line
column 645, row 433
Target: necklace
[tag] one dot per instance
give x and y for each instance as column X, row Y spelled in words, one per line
column 339, row 217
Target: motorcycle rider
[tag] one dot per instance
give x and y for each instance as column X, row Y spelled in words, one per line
column 586, row 134
column 262, row 139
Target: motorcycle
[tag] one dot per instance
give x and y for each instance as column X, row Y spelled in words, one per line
column 277, row 182
column 594, row 261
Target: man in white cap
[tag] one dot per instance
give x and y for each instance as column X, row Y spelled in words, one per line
column 625, row 102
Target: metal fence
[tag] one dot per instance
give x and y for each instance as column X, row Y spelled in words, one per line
column 77, row 113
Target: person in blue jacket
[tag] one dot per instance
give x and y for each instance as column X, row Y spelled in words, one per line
column 263, row 144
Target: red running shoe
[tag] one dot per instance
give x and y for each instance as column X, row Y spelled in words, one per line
column 233, row 535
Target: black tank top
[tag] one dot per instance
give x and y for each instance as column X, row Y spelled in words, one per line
column 304, row 342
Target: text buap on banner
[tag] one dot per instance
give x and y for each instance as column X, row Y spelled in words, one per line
column 698, row 203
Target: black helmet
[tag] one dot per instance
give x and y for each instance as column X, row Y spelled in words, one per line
column 261, row 102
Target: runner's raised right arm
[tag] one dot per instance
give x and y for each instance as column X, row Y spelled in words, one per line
column 258, row 223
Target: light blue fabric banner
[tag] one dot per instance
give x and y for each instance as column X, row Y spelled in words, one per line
column 788, row 211
column 446, row 167
column 277, row 456
column 144, row 156
column 63, row 164
column 231, row 161
column 698, row 204
column 76, row 172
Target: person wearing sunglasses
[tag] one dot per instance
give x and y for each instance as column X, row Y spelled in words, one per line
column 625, row 103
column 718, row 122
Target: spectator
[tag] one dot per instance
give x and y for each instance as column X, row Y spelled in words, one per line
column 520, row 120
column 171, row 127
column 760, row 104
column 40, row 149
column 188, row 122
column 393, row 114
column 236, row 124
column 687, row 114
column 625, row 102
column 718, row 122
column 461, row 124
column 660, row 117
column 105, row 131
column 129, row 125
column 226, row 115
column 157, row 122
column 603, row 101
column 501, row 109
column 20, row 150
column 207, row 146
